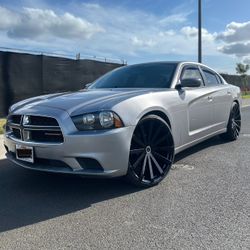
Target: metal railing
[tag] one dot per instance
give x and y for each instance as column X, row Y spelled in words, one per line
column 77, row 56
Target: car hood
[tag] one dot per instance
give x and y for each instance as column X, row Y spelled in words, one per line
column 83, row 100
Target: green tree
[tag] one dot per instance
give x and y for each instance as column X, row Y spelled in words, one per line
column 242, row 69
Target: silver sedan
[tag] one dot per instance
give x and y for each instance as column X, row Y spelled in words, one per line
column 130, row 122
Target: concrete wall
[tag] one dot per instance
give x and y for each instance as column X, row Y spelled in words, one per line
column 25, row 75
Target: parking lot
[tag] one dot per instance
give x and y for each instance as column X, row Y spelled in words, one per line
column 204, row 203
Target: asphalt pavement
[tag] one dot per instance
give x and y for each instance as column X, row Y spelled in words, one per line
column 204, row 203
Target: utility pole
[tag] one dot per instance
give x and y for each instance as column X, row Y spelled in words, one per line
column 199, row 31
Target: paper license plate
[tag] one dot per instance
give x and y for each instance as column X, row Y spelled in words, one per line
column 25, row 153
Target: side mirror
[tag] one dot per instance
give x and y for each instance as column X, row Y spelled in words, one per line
column 191, row 82
column 87, row 85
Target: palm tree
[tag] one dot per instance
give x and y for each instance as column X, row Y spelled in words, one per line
column 242, row 69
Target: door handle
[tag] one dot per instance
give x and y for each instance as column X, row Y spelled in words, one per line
column 229, row 93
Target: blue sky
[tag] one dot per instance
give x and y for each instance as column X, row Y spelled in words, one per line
column 134, row 30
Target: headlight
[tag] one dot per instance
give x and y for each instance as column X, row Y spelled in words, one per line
column 106, row 119
column 97, row 121
column 88, row 119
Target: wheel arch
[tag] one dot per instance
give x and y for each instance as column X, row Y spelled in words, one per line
column 160, row 114
column 236, row 101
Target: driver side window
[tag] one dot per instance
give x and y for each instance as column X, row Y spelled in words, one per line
column 191, row 73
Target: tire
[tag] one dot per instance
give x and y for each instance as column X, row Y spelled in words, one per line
column 234, row 124
column 151, row 152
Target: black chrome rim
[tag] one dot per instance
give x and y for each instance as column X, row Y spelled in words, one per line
column 151, row 151
column 236, row 121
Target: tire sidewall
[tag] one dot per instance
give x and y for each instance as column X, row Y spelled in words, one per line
column 130, row 174
column 230, row 132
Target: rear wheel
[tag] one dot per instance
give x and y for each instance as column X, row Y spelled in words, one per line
column 151, row 152
column 234, row 124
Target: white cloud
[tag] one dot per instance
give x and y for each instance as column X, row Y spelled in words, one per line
column 167, row 33
column 142, row 43
column 238, row 49
column 174, row 19
column 118, row 32
column 191, row 32
column 246, row 59
column 41, row 24
column 101, row 30
column 235, row 32
column 237, row 40
column 7, row 18
column 135, row 32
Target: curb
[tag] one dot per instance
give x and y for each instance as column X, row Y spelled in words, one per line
column 245, row 106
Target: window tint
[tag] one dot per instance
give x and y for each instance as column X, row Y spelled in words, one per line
column 152, row 75
column 219, row 79
column 211, row 78
column 191, row 73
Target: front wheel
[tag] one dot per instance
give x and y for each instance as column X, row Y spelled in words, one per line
column 234, row 124
column 151, row 152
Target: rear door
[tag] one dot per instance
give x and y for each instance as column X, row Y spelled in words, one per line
column 221, row 98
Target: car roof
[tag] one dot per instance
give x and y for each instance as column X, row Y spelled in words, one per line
column 174, row 62
column 168, row 62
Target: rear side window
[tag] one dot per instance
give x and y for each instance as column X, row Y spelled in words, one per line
column 191, row 73
column 211, row 78
column 219, row 79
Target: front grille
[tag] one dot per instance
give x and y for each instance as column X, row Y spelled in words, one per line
column 43, row 121
column 34, row 128
column 16, row 119
column 46, row 135
column 17, row 133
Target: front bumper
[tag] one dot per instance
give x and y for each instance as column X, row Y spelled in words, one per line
column 109, row 148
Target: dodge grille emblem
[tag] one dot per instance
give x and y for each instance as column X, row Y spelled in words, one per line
column 26, row 120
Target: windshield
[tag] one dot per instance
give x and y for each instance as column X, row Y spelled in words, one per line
column 151, row 75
